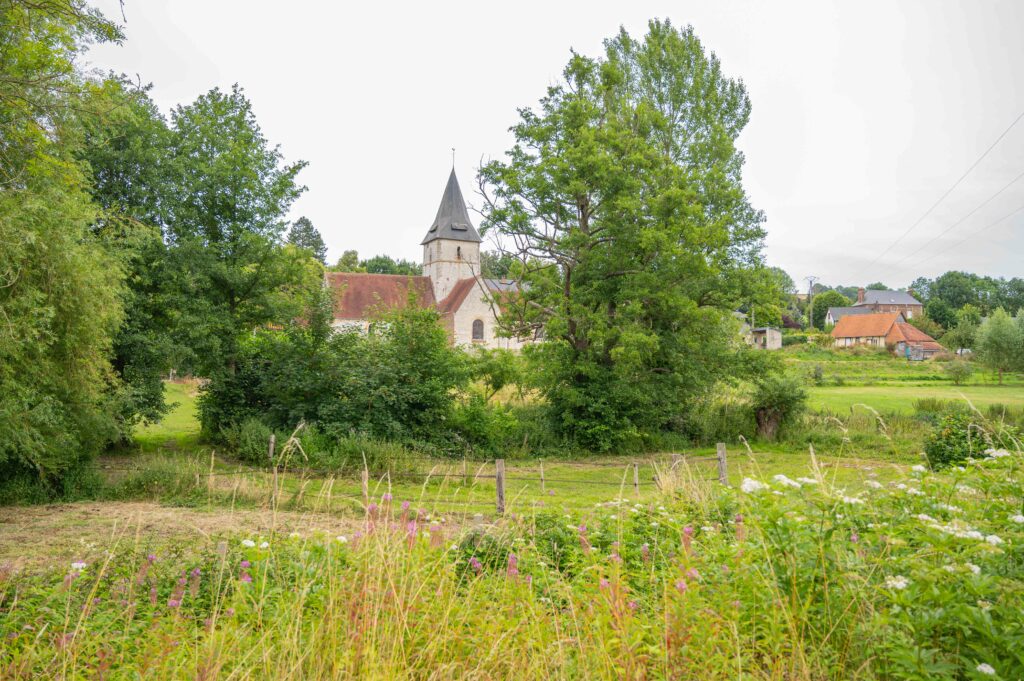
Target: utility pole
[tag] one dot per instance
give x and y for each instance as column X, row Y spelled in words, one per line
column 810, row 300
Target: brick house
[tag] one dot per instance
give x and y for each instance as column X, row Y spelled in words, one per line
column 890, row 301
column 885, row 330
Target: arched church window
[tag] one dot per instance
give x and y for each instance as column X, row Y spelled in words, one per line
column 478, row 329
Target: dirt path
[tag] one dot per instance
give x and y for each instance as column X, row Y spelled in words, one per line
column 37, row 537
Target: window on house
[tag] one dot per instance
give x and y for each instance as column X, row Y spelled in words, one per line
column 478, row 329
column 458, row 252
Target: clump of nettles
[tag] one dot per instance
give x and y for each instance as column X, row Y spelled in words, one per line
column 963, row 435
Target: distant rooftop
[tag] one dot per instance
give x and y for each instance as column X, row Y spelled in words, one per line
column 872, row 297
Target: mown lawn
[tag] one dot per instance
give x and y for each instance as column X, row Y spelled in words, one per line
column 180, row 428
column 900, row 398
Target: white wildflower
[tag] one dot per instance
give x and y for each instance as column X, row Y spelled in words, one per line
column 900, row 485
column 997, row 453
column 918, row 468
column 707, row 528
column 248, row 543
column 993, row 540
column 852, row 500
column 807, row 481
column 1019, row 519
column 949, row 568
column 78, row 565
column 654, row 524
column 749, row 486
column 974, row 568
column 951, row 508
column 341, row 539
column 613, row 517
column 295, row 535
column 873, row 484
column 898, row 582
column 985, row 605
column 264, row 545
column 786, row 482
column 924, row 517
column 915, row 492
column 986, row 669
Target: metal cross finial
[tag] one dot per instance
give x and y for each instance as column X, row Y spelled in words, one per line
column 453, row 158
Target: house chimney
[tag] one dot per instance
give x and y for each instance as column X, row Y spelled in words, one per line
column 860, row 295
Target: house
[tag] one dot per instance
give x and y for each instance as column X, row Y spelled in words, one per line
column 451, row 283
column 765, row 338
column 890, row 301
column 834, row 314
column 885, row 329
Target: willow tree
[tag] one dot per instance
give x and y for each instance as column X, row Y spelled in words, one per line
column 622, row 198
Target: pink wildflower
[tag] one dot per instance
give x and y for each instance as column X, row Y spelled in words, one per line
column 854, row 537
column 681, row 586
column 513, row 565
column 645, row 552
column 693, row 574
column 152, row 595
column 474, row 563
column 245, row 577
column 604, row 583
column 173, row 603
column 687, row 539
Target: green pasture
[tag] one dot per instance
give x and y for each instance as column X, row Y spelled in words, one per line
column 901, row 398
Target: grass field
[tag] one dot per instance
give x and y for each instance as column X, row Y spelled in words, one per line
column 900, row 398
column 180, row 428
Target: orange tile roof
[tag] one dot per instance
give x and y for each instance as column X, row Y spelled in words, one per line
column 866, row 325
column 359, row 296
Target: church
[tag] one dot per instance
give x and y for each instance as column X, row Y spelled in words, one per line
column 451, row 282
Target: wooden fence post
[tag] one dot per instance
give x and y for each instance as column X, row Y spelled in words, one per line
column 465, row 473
column 270, row 458
column 723, row 476
column 636, row 480
column 499, row 482
column 543, row 489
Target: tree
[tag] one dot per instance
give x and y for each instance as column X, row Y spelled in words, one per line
column 939, row 311
column 60, row 289
column 822, row 303
column 383, row 264
column 304, row 235
column 496, row 265
column 927, row 325
column 777, row 400
column 225, row 227
column 877, row 286
column 624, row 191
column 348, row 262
column 999, row 343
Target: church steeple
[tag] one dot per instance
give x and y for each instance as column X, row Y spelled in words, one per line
column 452, row 220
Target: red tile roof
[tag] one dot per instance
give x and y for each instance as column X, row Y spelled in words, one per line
column 458, row 294
column 359, row 296
column 866, row 325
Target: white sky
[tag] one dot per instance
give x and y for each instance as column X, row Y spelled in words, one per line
column 864, row 112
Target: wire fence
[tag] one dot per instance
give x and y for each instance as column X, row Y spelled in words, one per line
column 486, row 483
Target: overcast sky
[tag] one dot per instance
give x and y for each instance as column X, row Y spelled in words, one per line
column 864, row 113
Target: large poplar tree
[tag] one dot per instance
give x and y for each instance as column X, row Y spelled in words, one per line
column 623, row 198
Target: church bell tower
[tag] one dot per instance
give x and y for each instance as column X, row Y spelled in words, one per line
column 451, row 249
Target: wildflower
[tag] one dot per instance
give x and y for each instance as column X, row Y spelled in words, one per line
column 604, row 584
column 245, row 577
column 386, row 497
column 295, row 535
column 475, row 564
column 786, row 482
column 807, row 481
column 924, row 517
column 693, row 574
column 152, row 595
column 985, row 605
column 997, row 453
column 873, row 484
column 854, row 537
column 78, row 565
column 341, row 539
column 986, row 669
column 654, row 524
column 645, row 552
column 993, row 540
column 852, row 500
column 173, row 602
column 513, row 565
column 1019, row 519
column 949, row 568
column 264, row 545
column 899, row 582
column 955, row 509
column 151, row 558
column 915, row 492
column 974, row 568
column 681, row 586
column 918, row 468
column 245, row 564
column 750, row 486
column 248, row 543
column 634, row 606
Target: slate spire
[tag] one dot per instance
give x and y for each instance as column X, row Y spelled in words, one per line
column 452, row 221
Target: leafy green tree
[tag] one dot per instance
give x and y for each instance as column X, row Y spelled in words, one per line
column 877, row 286
column 625, row 191
column 60, row 290
column 348, row 262
column 777, row 400
column 383, row 264
column 304, row 235
column 822, row 302
column 999, row 343
column 939, row 311
column 225, row 226
column 928, row 325
column 497, row 265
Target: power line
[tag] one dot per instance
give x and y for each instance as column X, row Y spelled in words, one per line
column 971, row 235
column 961, row 220
column 948, row 191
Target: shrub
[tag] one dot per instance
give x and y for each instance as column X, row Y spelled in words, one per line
column 959, row 371
column 777, row 400
column 793, row 339
column 253, row 441
column 956, row 438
